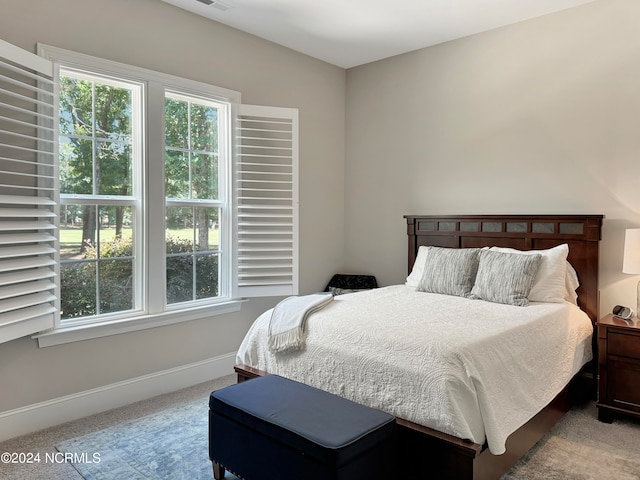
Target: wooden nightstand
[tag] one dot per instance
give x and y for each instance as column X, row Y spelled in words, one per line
column 618, row 367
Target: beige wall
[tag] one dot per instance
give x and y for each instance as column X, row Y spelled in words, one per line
column 538, row 117
column 158, row 36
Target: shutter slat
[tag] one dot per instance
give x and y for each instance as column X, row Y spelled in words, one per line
column 14, row 238
column 267, row 216
column 23, row 289
column 28, row 313
column 26, row 225
column 25, row 251
column 24, row 263
column 27, row 165
column 25, row 276
column 23, row 301
column 25, row 212
column 25, row 200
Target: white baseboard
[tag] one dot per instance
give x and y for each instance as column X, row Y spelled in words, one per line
column 46, row 414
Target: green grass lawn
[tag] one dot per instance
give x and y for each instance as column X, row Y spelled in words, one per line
column 71, row 238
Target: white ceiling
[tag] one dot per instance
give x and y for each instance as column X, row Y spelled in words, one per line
column 348, row 33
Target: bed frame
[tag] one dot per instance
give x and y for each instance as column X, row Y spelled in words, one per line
column 427, row 453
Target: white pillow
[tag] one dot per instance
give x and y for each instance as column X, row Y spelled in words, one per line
column 572, row 284
column 549, row 284
column 418, row 268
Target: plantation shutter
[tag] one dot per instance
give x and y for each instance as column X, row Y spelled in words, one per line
column 266, row 210
column 27, row 182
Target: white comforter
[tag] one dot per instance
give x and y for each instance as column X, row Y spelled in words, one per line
column 469, row 368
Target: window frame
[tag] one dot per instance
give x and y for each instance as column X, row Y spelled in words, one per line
column 223, row 203
column 154, row 312
column 134, row 200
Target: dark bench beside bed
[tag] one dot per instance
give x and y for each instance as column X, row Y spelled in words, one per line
column 273, row 428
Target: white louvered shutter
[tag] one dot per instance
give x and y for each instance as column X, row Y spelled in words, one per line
column 266, row 210
column 27, row 181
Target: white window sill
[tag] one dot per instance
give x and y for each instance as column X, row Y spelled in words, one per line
column 78, row 333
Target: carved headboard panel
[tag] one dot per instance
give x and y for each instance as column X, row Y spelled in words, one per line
column 524, row 232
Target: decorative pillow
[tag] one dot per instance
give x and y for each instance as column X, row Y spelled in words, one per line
column 505, row 277
column 418, row 267
column 549, row 284
column 450, row 271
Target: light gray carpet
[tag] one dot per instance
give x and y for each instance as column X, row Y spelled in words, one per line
column 582, row 448
column 171, row 444
column 166, row 438
column 45, row 441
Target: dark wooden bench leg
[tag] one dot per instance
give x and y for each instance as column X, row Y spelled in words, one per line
column 218, row 471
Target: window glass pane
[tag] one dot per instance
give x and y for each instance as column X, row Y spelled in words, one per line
column 206, row 232
column 180, row 248
column 179, row 229
column 179, row 278
column 116, row 282
column 116, row 232
column 96, row 242
column 95, row 152
column 77, row 289
column 204, row 128
column 192, row 233
column 112, row 112
column 76, row 97
column 77, row 231
column 205, row 176
column 176, row 174
column 76, row 165
column 113, row 168
column 176, row 123
column 191, row 143
column 206, row 276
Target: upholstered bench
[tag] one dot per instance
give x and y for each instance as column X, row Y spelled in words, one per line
column 272, row 428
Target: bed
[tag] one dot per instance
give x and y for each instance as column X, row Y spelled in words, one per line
column 432, row 444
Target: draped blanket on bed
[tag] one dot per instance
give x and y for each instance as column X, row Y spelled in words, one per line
column 288, row 318
column 469, row 368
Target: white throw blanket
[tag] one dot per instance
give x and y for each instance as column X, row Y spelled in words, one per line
column 286, row 327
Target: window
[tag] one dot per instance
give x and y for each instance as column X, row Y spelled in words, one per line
column 106, row 224
column 100, row 161
column 196, row 202
column 174, row 200
column 102, row 208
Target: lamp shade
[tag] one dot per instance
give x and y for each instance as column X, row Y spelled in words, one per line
column 631, row 259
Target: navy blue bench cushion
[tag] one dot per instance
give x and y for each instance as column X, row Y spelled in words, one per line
column 330, row 428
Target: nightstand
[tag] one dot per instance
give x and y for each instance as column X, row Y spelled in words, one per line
column 618, row 367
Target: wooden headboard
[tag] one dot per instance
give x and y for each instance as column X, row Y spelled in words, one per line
column 524, row 232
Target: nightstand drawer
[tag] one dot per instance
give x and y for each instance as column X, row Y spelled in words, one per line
column 623, row 345
column 624, row 378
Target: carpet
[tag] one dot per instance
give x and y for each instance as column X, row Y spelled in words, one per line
column 173, row 444
column 580, row 447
